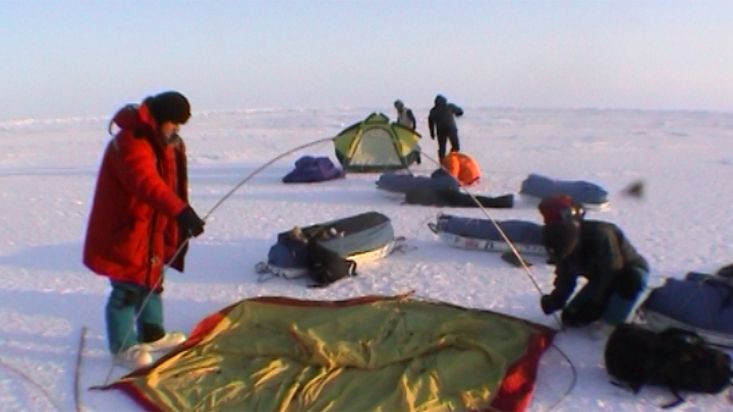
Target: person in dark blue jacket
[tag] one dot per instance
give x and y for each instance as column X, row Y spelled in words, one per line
column 441, row 121
column 616, row 273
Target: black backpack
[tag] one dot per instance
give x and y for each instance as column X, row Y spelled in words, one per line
column 326, row 266
column 677, row 359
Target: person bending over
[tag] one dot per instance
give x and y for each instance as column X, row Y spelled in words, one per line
column 598, row 251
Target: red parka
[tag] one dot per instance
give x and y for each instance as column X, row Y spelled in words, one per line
column 141, row 187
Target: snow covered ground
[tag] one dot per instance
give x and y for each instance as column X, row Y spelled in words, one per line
column 48, row 169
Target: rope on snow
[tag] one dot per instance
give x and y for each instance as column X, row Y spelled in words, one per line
column 33, row 383
column 77, row 369
column 574, row 381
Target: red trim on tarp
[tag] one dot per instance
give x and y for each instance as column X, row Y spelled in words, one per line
column 138, row 396
column 517, row 386
column 514, row 394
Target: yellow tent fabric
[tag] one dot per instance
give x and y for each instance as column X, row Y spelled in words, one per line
column 369, row 354
column 375, row 144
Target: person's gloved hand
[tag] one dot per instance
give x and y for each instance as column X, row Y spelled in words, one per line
column 582, row 316
column 548, row 305
column 191, row 224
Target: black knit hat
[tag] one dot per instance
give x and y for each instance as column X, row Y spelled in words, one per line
column 169, row 107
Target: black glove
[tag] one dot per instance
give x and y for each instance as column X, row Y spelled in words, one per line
column 191, row 224
column 548, row 305
column 577, row 317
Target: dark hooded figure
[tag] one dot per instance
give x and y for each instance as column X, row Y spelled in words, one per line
column 598, row 251
column 441, row 121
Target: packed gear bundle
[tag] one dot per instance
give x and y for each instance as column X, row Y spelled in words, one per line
column 309, row 169
column 586, row 193
column 674, row 358
column 330, row 251
column 700, row 303
column 402, row 183
column 440, row 189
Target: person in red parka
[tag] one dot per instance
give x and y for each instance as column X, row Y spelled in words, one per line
column 140, row 218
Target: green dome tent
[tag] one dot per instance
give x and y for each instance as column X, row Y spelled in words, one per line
column 374, row 144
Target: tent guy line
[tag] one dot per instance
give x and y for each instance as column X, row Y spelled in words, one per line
column 508, row 241
column 260, row 169
column 528, row 272
column 33, row 383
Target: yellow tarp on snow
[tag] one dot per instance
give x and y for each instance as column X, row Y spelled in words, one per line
column 368, row 354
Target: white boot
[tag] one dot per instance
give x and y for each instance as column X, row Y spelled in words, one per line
column 134, row 357
column 169, row 341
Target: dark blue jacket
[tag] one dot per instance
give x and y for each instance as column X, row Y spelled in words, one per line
column 442, row 117
column 603, row 252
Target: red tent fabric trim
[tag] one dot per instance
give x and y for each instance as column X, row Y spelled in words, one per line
column 517, row 387
column 515, row 391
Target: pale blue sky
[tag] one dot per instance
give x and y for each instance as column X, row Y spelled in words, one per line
column 62, row 58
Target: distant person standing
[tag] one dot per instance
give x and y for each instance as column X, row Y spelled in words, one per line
column 405, row 116
column 442, row 121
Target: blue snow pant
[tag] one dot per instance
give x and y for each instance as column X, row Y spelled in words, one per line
column 125, row 301
column 620, row 300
